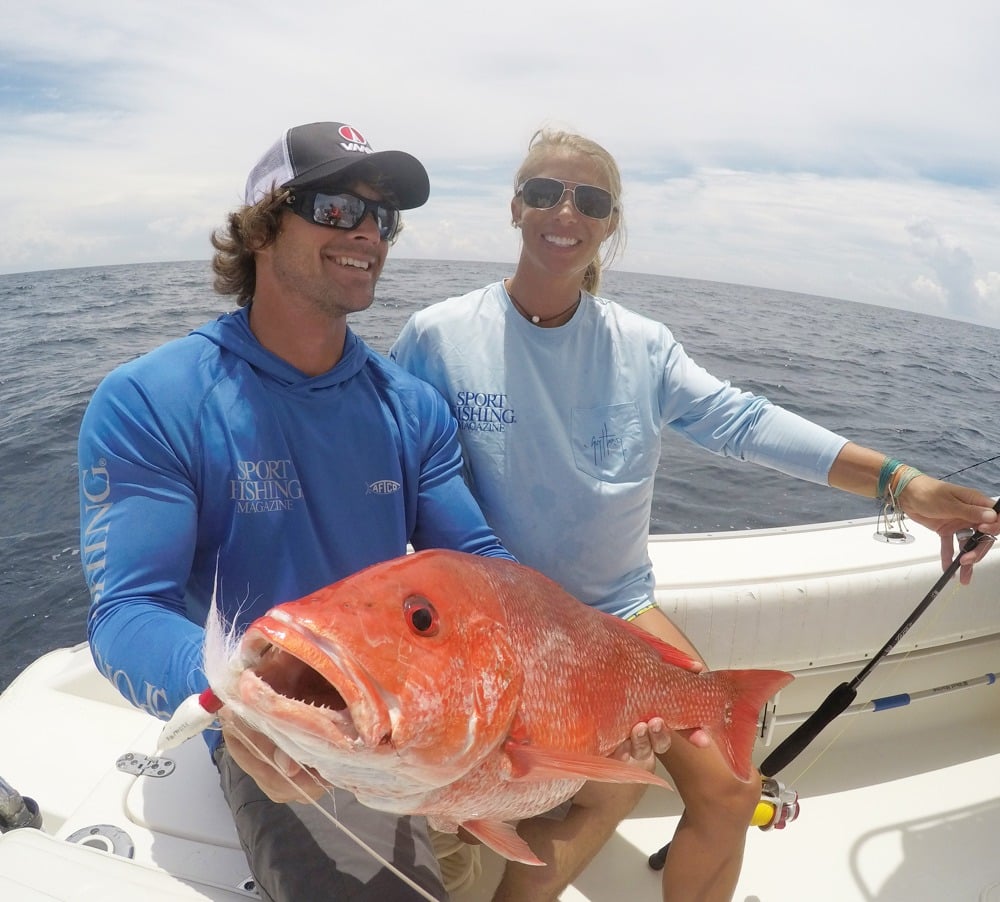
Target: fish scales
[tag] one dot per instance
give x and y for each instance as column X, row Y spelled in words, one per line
column 472, row 690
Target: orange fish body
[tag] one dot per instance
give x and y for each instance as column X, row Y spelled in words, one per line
column 472, row 690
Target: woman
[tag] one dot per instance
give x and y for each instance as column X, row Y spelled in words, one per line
column 560, row 396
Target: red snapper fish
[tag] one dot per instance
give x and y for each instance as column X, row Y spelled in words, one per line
column 472, row 690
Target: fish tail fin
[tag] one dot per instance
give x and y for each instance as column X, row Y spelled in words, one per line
column 735, row 732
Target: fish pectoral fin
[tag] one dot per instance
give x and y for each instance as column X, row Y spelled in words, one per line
column 530, row 763
column 503, row 839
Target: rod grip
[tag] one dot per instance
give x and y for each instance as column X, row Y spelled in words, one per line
column 787, row 751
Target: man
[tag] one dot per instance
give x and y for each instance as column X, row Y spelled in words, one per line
column 263, row 456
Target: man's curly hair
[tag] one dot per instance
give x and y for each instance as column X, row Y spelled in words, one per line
column 248, row 230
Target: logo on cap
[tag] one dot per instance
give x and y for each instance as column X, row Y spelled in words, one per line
column 352, row 135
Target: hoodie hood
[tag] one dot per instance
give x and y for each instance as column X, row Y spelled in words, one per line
column 232, row 332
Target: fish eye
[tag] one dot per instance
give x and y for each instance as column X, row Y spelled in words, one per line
column 421, row 615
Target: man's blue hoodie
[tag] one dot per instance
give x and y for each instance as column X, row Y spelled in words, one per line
column 212, row 466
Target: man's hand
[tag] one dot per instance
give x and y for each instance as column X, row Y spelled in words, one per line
column 280, row 778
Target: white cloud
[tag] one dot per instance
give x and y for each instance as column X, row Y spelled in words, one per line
column 963, row 294
column 989, row 287
column 786, row 145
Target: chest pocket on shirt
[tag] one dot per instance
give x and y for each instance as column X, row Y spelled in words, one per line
column 607, row 442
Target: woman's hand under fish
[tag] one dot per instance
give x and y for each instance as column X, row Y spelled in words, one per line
column 650, row 739
column 644, row 743
column 279, row 777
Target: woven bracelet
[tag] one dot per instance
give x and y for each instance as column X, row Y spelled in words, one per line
column 889, row 466
column 906, row 475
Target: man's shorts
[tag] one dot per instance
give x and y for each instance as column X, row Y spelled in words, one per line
column 296, row 853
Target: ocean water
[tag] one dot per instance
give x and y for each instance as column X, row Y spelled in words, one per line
column 919, row 387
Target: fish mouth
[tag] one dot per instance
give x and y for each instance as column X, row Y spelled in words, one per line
column 312, row 685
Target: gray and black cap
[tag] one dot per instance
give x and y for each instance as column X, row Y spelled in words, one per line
column 319, row 153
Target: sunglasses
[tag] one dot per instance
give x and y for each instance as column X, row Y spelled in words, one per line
column 543, row 194
column 345, row 211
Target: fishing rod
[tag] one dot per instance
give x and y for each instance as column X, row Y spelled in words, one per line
column 835, row 704
column 841, row 697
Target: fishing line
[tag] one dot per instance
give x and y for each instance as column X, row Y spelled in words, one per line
column 222, row 639
column 330, row 817
column 945, row 601
column 886, row 674
column 220, row 644
column 842, row 696
column 988, row 460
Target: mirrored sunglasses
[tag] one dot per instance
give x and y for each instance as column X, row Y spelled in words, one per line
column 345, row 211
column 543, row 194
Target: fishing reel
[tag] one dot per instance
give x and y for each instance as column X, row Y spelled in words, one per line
column 778, row 805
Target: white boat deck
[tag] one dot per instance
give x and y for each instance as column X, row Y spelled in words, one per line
column 903, row 804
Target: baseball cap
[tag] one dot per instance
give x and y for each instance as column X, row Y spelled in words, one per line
column 317, row 153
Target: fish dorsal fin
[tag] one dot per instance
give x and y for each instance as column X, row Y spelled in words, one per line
column 667, row 652
column 503, row 839
column 530, row 763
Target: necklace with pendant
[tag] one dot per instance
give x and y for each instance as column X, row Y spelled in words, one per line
column 534, row 317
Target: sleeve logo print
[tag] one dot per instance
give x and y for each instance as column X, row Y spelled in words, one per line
column 95, row 484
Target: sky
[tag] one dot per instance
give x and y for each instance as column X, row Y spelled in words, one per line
column 845, row 149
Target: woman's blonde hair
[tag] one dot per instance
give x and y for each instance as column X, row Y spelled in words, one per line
column 548, row 142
